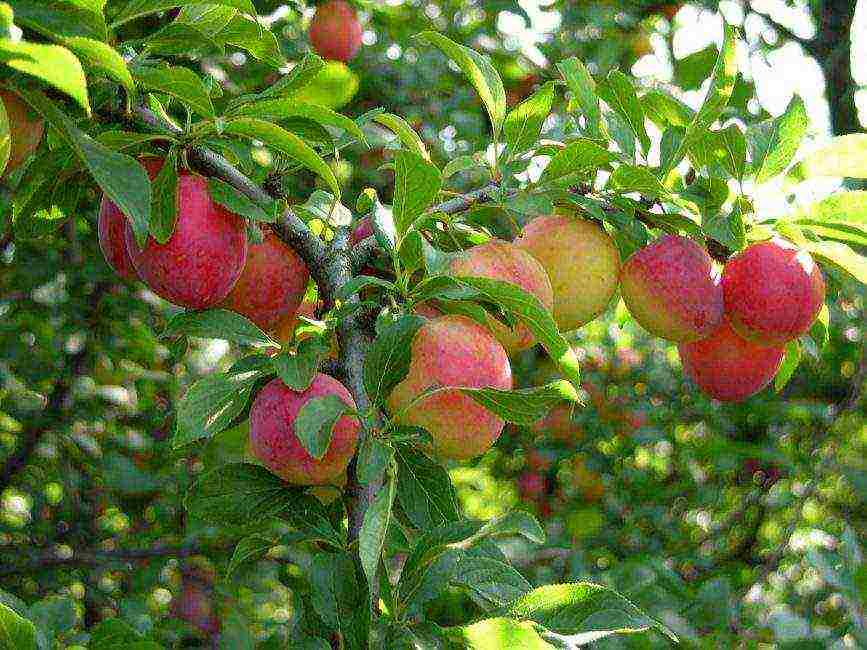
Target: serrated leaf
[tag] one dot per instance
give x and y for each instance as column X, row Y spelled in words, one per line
column 218, row 324
column 360, row 282
column 773, row 143
column 524, row 405
column 821, row 328
column 789, row 365
column 374, row 528
column 138, row 8
column 728, row 228
column 335, row 596
column 374, row 456
column 256, row 39
column 250, row 549
column 461, row 164
column 721, row 88
column 584, row 95
column 314, row 424
column 841, row 256
column 582, row 607
column 16, row 632
column 297, row 370
column 579, row 158
column 523, row 124
column 210, row 406
column 239, row 494
column 844, row 156
column 180, row 83
column 479, row 71
column 53, row 64
column 424, row 489
column 842, row 207
column 387, row 362
column 284, row 108
column 618, row 92
column 180, row 39
column 491, row 584
column 164, row 196
column 122, row 179
column 416, row 185
column 58, row 20
column 286, row 143
column 239, row 204
column 665, row 111
column 404, row 132
column 103, row 57
column 497, row 633
column 633, row 178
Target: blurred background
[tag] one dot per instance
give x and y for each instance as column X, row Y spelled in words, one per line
column 738, row 526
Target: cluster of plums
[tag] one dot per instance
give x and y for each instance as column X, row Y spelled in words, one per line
column 732, row 332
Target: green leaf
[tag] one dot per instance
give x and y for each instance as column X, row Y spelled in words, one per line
column 773, row 143
column 122, row 476
column 103, row 57
column 524, row 405
column 524, row 123
column 53, row 64
column 250, row 549
column 479, row 71
column 259, row 41
column 325, row 207
column 404, row 132
column 578, row 159
column 16, row 633
column 461, row 164
column 180, row 39
column 734, row 149
column 517, row 522
column 285, row 108
column 666, row 111
column 692, row 70
column 207, row 18
column 584, row 95
column 496, row 634
column 845, row 155
column 842, row 208
column 374, row 528
column 286, row 143
column 789, row 365
column 618, row 92
column 218, row 324
column 238, row 203
column 315, row 422
column 180, row 83
column 633, row 178
column 119, row 140
column 122, row 179
column 138, row 8
column 114, row 633
column 491, row 584
column 210, row 406
column 584, row 607
column 297, row 370
column 360, row 282
column 728, row 228
column 333, row 86
column 821, row 328
column 335, row 596
column 374, row 456
column 842, row 257
column 59, row 20
column 164, row 200
column 239, row 494
column 721, row 88
column 384, row 228
column 424, row 489
column 387, row 362
column 416, row 185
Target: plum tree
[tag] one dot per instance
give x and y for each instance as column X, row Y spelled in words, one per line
column 25, row 130
column 452, row 351
column 273, row 440
column 335, row 32
column 773, row 292
column 582, row 263
column 671, row 291
column 728, row 367
column 501, row 260
column 205, row 255
column 272, row 284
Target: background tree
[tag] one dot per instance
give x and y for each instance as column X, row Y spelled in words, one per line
column 130, row 507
